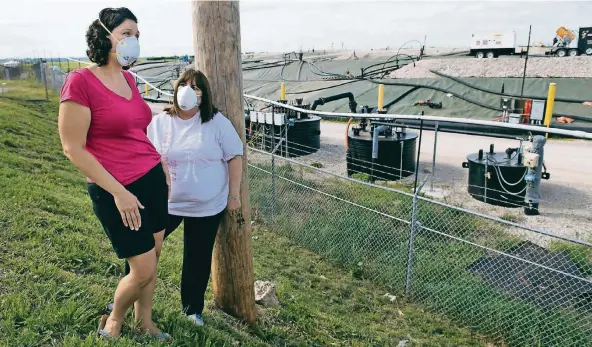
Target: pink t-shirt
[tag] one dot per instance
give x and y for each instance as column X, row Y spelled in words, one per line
column 117, row 133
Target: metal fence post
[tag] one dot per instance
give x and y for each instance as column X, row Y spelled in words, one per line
column 53, row 79
column 414, row 225
column 273, row 200
column 418, row 152
column 434, row 157
column 43, row 67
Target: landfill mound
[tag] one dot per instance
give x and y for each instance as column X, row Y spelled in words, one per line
column 313, row 79
column 500, row 67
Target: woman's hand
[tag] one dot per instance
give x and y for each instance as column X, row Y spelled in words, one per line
column 587, row 103
column 128, row 204
column 233, row 203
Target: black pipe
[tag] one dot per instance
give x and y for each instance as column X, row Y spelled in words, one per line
column 411, row 90
column 456, row 95
column 397, row 56
column 384, row 65
column 405, row 84
column 324, row 88
column 473, row 86
column 321, row 101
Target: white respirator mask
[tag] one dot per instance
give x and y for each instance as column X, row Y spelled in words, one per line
column 186, row 98
column 127, row 49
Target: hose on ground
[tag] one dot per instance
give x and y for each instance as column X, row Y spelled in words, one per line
column 400, row 97
column 456, row 95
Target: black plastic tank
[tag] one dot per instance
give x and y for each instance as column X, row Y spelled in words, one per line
column 303, row 137
column 247, row 124
column 396, row 155
column 497, row 178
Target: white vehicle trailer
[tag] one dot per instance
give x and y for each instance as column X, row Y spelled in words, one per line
column 491, row 46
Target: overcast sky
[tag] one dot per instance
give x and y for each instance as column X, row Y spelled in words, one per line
column 32, row 27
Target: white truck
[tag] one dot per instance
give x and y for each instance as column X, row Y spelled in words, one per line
column 492, row 46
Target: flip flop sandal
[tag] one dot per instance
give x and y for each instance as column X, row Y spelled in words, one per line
column 101, row 332
column 162, row 336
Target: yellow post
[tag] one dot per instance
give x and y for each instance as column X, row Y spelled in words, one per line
column 380, row 97
column 146, row 89
column 283, row 92
column 550, row 103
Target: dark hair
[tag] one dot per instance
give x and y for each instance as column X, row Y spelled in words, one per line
column 207, row 110
column 97, row 39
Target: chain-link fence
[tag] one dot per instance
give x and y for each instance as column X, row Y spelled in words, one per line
column 50, row 74
column 481, row 270
column 566, row 196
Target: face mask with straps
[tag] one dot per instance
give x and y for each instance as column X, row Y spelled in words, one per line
column 187, row 98
column 127, row 49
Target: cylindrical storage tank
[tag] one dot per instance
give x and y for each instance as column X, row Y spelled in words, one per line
column 396, row 155
column 247, row 125
column 496, row 180
column 303, row 138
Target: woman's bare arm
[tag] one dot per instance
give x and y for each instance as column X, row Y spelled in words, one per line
column 235, row 168
column 73, row 125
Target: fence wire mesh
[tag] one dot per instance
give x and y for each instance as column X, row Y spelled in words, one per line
column 486, row 272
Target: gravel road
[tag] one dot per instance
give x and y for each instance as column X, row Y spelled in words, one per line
column 499, row 67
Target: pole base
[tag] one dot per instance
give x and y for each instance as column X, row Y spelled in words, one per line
column 532, row 210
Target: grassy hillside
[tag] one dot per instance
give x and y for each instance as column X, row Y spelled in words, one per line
column 57, row 269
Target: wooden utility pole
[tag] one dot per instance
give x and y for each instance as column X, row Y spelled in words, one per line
column 217, row 47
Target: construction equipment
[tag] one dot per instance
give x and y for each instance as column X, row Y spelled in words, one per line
column 522, row 111
column 567, row 43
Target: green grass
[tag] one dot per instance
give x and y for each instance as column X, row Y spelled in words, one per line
column 57, row 269
column 374, row 247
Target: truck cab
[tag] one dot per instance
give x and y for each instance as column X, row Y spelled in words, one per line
column 567, row 43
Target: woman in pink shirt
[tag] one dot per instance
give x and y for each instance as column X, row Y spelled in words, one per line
column 102, row 124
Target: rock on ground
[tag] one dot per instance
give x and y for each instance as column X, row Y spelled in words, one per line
column 265, row 294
